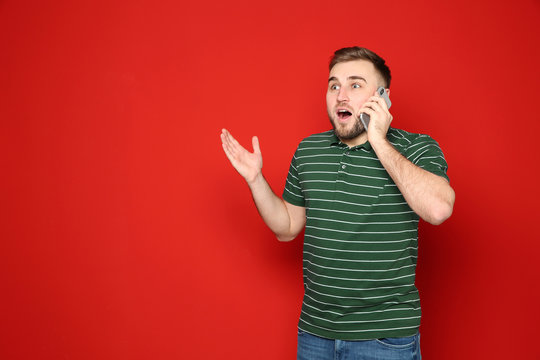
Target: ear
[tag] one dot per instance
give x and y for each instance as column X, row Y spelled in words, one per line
column 388, row 91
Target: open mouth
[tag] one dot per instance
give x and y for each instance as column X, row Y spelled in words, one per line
column 343, row 114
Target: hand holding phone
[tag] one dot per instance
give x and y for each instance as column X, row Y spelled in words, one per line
column 381, row 91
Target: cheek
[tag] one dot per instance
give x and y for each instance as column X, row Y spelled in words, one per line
column 359, row 101
column 330, row 101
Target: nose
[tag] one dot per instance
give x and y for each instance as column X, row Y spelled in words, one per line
column 342, row 94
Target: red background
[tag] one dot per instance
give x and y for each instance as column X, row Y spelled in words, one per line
column 125, row 232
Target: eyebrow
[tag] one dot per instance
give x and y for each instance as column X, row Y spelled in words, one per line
column 354, row 77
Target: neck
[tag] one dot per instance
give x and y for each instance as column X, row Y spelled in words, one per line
column 359, row 140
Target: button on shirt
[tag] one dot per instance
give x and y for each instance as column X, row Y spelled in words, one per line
column 360, row 243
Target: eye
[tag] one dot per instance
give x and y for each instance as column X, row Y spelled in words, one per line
column 356, row 86
column 334, row 87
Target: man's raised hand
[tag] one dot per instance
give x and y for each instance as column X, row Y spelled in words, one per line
column 249, row 165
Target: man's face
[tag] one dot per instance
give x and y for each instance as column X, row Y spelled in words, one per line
column 350, row 84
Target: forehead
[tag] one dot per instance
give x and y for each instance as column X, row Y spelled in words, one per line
column 363, row 68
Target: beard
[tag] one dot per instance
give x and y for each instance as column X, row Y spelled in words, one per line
column 346, row 133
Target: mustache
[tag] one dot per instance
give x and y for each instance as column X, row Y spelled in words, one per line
column 344, row 106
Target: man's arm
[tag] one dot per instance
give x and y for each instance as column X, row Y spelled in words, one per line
column 428, row 195
column 284, row 219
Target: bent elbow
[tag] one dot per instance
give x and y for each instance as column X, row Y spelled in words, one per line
column 442, row 211
column 285, row 238
column 291, row 234
column 440, row 216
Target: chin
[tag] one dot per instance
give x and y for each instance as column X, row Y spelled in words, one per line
column 348, row 133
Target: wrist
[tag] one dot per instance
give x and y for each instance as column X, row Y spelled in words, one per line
column 378, row 141
column 253, row 181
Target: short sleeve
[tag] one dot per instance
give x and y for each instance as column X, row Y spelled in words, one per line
column 293, row 193
column 426, row 153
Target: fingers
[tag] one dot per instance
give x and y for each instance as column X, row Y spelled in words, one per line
column 377, row 103
column 247, row 164
column 229, row 139
column 256, row 146
column 233, row 148
column 370, row 106
column 381, row 118
column 230, row 143
column 227, row 150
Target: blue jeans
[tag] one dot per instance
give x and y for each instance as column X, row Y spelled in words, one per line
column 311, row 347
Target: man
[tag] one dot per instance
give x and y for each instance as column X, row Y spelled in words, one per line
column 359, row 193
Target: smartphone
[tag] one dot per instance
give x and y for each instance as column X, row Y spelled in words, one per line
column 381, row 91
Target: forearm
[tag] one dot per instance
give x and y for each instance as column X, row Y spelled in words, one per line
column 272, row 209
column 428, row 195
column 284, row 219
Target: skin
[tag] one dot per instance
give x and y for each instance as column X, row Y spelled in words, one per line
column 352, row 86
column 284, row 219
column 429, row 195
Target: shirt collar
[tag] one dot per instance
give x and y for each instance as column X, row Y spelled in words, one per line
column 334, row 141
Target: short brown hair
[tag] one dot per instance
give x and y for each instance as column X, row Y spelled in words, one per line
column 360, row 53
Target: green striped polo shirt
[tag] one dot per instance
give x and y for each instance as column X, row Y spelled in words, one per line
column 360, row 242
